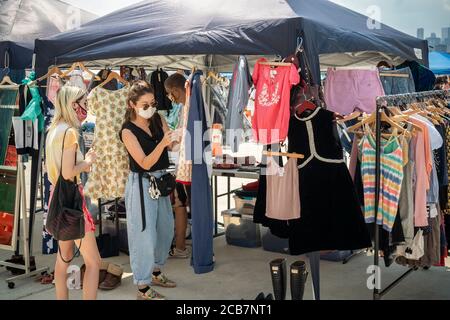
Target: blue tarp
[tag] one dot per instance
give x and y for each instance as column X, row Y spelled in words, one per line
column 218, row 27
column 440, row 62
column 23, row 21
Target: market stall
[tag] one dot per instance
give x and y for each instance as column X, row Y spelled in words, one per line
column 209, row 35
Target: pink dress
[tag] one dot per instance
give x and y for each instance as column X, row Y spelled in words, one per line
column 273, row 88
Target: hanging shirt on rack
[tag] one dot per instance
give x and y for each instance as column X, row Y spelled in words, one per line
column 406, row 201
column 238, row 96
column 283, row 198
column 109, row 174
column 103, row 75
column 33, row 109
column 272, row 101
column 157, row 80
column 398, row 85
column 391, row 156
column 424, row 78
column 8, row 98
column 54, row 84
column 26, row 136
column 421, row 181
column 435, row 142
column 77, row 79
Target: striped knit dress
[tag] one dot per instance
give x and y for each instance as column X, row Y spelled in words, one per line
column 390, row 184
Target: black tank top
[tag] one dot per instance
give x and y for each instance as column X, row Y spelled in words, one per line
column 148, row 144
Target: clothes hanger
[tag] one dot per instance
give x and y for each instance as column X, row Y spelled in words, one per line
column 52, row 71
column 275, row 64
column 113, row 75
column 7, row 80
column 396, row 75
column 82, row 67
column 349, row 117
column 367, row 120
column 283, row 154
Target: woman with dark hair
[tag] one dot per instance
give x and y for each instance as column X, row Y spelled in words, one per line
column 150, row 221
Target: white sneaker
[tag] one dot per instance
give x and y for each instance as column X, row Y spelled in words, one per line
column 180, row 254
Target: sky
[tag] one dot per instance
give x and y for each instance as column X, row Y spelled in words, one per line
column 404, row 15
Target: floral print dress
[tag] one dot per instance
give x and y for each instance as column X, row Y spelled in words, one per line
column 110, row 172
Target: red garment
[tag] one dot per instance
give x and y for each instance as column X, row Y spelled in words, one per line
column 11, row 157
column 252, row 186
column 273, row 88
column 6, row 228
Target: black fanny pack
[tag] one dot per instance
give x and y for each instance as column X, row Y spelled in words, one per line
column 159, row 187
column 162, row 186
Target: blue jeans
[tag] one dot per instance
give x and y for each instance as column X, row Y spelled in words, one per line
column 149, row 249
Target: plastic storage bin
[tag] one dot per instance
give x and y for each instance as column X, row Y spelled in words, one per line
column 241, row 231
column 247, row 204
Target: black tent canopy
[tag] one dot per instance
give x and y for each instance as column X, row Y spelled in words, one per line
column 23, row 21
column 183, row 33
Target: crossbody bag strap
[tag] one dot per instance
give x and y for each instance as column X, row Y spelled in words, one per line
column 60, row 173
column 62, row 154
column 62, row 151
column 141, row 195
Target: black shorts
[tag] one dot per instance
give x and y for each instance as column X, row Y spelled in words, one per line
column 181, row 196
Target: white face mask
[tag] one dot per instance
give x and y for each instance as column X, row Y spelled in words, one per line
column 146, row 114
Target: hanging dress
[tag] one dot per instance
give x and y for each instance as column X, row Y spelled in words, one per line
column 331, row 217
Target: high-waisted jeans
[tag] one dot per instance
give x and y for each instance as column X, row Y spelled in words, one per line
column 150, row 248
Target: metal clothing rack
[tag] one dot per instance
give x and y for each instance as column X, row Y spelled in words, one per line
column 381, row 102
column 26, row 237
column 116, row 215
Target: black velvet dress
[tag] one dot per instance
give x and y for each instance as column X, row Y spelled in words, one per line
column 331, row 217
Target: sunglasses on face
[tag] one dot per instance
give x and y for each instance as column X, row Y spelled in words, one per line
column 153, row 104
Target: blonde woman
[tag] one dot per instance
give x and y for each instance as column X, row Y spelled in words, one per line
column 70, row 111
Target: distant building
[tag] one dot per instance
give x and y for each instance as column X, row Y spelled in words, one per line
column 433, row 41
column 440, row 48
column 421, row 33
column 445, row 33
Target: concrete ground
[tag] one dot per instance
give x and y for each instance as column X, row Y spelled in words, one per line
column 241, row 273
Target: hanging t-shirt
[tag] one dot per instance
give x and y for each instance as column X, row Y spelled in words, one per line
column 26, row 135
column 77, row 79
column 238, row 96
column 273, row 86
column 157, row 80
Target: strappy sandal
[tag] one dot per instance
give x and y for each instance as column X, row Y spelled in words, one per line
column 48, row 278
